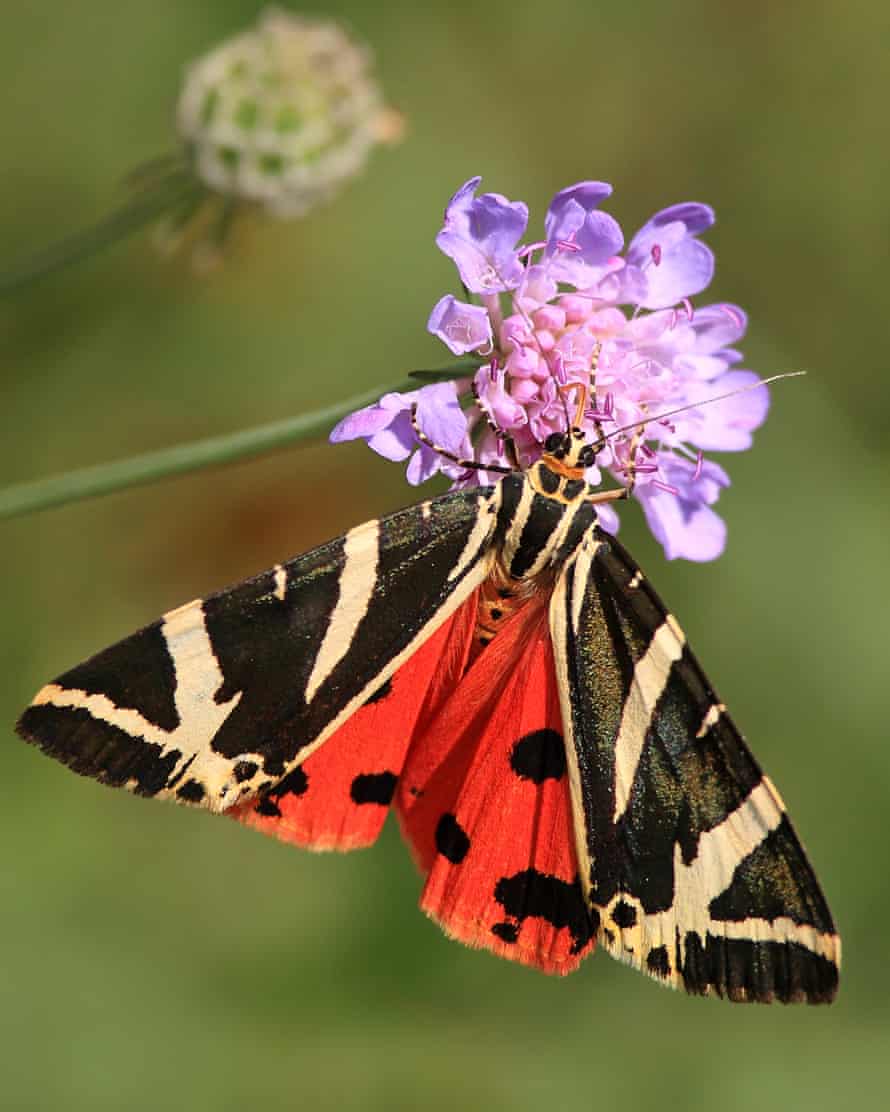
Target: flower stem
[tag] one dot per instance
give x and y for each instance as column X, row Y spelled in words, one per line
column 105, row 478
column 159, row 197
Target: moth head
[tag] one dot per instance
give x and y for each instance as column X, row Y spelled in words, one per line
column 569, row 452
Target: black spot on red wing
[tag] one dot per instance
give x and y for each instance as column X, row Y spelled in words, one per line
column 624, row 914
column 496, row 614
column 381, row 693
column 539, row 756
column 191, row 791
column 657, row 961
column 295, row 783
column 531, row 894
column 373, row 787
column 245, row 770
column 506, row 932
column 451, row 839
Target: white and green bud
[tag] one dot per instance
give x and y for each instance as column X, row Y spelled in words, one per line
column 284, row 114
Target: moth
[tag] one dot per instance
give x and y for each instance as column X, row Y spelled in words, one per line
column 494, row 667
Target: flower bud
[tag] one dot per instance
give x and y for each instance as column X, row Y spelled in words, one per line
column 282, row 115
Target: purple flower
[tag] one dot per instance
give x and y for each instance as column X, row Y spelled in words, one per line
column 388, row 430
column 573, row 311
column 675, row 263
column 581, row 240
column 681, row 518
column 460, row 326
column 480, row 235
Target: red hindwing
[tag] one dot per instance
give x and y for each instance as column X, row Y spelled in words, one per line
column 483, row 801
column 338, row 798
column 475, row 758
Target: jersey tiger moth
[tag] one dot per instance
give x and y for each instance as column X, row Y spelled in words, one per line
column 495, row 666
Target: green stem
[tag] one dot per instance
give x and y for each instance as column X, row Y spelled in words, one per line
column 105, row 478
column 170, row 190
column 463, row 368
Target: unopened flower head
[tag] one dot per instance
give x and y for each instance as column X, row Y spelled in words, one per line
column 578, row 307
column 283, row 114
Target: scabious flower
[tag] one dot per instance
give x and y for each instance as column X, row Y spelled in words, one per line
column 283, row 114
column 576, row 308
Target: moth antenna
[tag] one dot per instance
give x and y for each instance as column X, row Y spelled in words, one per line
column 466, row 464
column 581, row 404
column 698, row 405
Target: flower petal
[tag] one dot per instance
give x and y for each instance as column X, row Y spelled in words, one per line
column 480, row 235
column 363, row 423
column 676, row 265
column 726, row 425
column 460, row 326
column 585, row 195
column 440, row 416
column 580, row 240
column 503, row 410
column 398, row 440
column 683, row 523
column 717, row 327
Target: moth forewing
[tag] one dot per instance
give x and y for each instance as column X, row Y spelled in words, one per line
column 223, row 697
column 695, row 874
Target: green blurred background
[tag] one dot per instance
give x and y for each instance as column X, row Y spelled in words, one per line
column 157, row 957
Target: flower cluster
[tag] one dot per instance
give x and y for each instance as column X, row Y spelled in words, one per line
column 577, row 308
column 283, row 114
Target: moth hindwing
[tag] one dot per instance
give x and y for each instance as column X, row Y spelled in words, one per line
column 497, row 668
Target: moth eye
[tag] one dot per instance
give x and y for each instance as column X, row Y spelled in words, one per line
column 553, row 441
column 587, row 456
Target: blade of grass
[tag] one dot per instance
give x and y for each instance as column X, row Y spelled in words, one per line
column 105, row 478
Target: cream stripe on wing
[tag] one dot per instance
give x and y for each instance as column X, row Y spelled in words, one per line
column 720, row 852
column 581, row 575
column 198, row 678
column 782, row 929
column 559, row 618
column 715, row 710
column 649, row 681
column 483, row 525
column 361, row 550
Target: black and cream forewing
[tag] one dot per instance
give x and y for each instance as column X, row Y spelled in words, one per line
column 225, row 695
column 691, row 867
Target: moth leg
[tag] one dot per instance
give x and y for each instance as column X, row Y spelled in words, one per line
column 469, row 464
column 617, row 495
